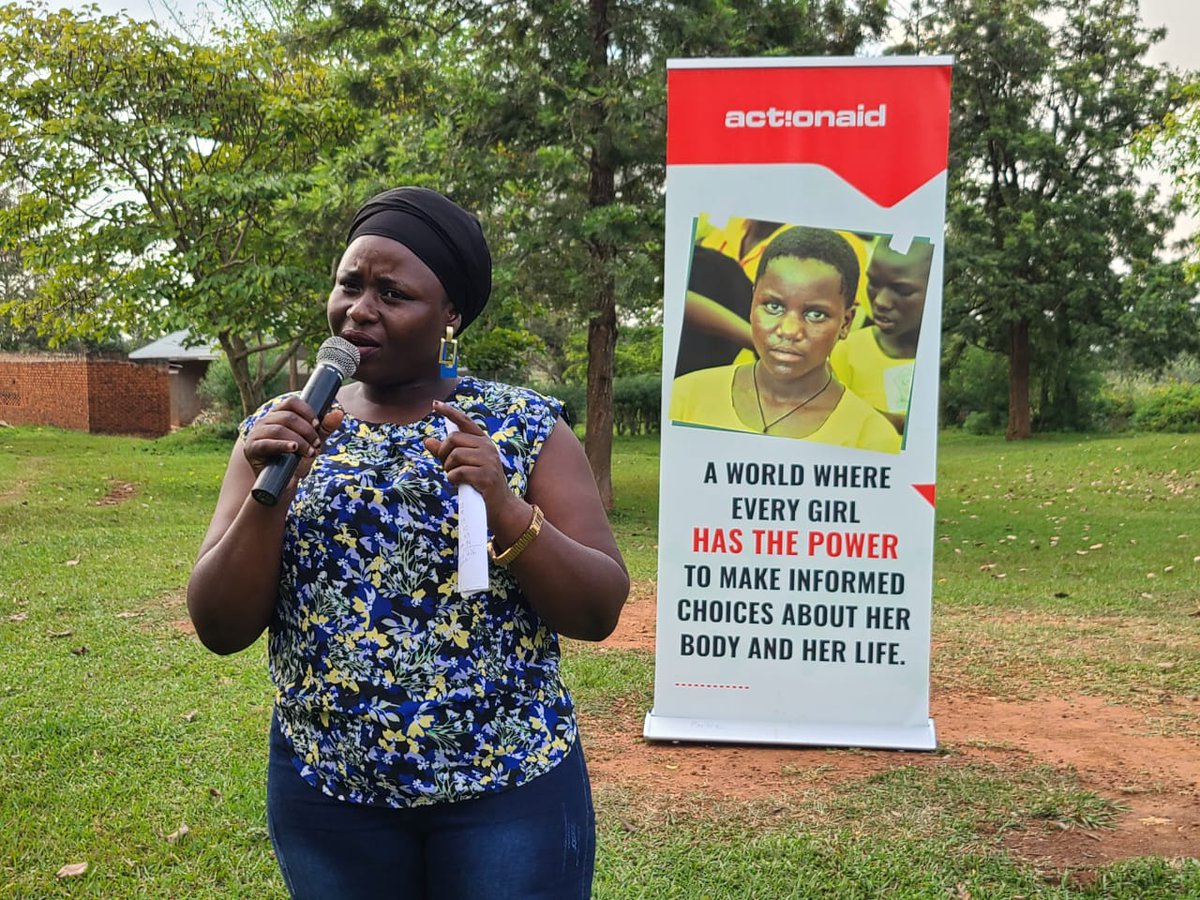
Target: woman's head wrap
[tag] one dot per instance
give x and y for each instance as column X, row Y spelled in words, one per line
column 444, row 236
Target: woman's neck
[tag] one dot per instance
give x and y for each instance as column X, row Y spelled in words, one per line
column 402, row 403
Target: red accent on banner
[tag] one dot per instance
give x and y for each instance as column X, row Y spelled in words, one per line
column 885, row 130
column 928, row 491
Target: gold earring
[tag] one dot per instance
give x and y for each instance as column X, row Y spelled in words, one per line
column 448, row 355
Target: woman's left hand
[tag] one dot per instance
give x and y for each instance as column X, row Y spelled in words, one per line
column 470, row 457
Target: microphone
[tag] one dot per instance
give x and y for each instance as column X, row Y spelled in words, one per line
column 336, row 360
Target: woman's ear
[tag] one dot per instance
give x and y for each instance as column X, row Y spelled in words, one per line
column 453, row 318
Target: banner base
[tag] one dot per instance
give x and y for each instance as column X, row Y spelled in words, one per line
column 726, row 731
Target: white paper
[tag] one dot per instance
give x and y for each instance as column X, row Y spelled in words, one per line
column 472, row 537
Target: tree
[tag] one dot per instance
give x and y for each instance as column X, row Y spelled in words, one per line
column 167, row 183
column 1175, row 144
column 1046, row 220
column 549, row 116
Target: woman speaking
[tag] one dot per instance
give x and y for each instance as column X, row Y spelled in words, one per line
column 422, row 743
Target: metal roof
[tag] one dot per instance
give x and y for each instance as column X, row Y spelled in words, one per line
column 171, row 348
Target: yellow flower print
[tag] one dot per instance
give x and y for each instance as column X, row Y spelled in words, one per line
column 453, row 631
column 416, row 728
column 310, row 619
column 345, row 537
column 377, row 637
column 437, row 689
column 504, row 434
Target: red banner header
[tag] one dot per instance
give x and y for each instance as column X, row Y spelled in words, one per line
column 883, row 129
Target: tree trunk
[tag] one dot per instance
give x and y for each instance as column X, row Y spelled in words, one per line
column 602, row 341
column 602, row 327
column 239, row 365
column 1018, row 381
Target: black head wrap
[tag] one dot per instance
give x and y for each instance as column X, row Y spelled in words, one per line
column 444, row 236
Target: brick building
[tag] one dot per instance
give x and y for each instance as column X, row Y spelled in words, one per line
column 186, row 366
column 85, row 393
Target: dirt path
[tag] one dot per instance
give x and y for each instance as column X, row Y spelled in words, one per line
column 1109, row 747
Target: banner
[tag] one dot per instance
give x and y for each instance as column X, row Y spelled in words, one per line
column 803, row 272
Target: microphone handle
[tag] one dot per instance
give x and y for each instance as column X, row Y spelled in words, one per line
column 318, row 393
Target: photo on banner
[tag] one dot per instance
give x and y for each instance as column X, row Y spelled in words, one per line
column 828, row 317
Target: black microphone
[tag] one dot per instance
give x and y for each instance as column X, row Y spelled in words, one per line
column 336, row 360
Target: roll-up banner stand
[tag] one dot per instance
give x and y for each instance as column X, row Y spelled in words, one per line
column 803, row 297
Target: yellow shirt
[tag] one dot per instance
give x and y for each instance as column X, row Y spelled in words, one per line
column 705, row 397
column 860, row 364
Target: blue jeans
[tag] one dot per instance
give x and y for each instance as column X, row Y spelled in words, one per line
column 529, row 842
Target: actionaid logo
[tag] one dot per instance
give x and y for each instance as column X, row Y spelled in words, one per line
column 861, row 117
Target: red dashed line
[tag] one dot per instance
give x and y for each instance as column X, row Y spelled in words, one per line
column 728, row 687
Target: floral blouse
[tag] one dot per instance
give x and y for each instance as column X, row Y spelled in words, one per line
column 391, row 687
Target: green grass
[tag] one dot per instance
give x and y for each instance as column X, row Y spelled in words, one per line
column 1069, row 563
column 119, row 727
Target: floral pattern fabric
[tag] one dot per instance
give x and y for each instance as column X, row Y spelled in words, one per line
column 391, row 687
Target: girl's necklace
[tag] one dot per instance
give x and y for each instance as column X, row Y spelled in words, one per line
column 767, row 427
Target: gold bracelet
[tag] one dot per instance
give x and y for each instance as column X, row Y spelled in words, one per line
column 503, row 559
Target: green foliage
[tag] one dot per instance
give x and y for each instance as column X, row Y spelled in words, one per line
column 637, row 404
column 1174, row 407
column 1174, row 145
column 639, row 351
column 974, row 392
column 219, row 390
column 500, row 353
column 1051, row 244
column 162, row 183
column 574, row 400
column 1065, row 389
column 974, row 396
column 1114, row 408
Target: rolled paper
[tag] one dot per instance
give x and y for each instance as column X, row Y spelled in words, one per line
column 472, row 537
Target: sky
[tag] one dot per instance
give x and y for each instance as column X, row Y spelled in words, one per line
column 1181, row 48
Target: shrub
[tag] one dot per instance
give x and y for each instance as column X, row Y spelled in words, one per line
column 1175, row 407
column 573, row 398
column 637, row 404
column 220, row 394
column 981, row 422
column 974, row 390
column 1113, row 408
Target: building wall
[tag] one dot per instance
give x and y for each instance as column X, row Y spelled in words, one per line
column 185, row 391
column 98, row 395
column 44, row 389
column 128, row 398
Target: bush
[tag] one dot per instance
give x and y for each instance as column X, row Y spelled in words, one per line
column 573, row 398
column 1113, row 408
column 974, row 390
column 637, row 404
column 1175, row 407
column 220, row 394
column 980, row 422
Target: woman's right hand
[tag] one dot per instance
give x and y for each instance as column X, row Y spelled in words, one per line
column 290, row 427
